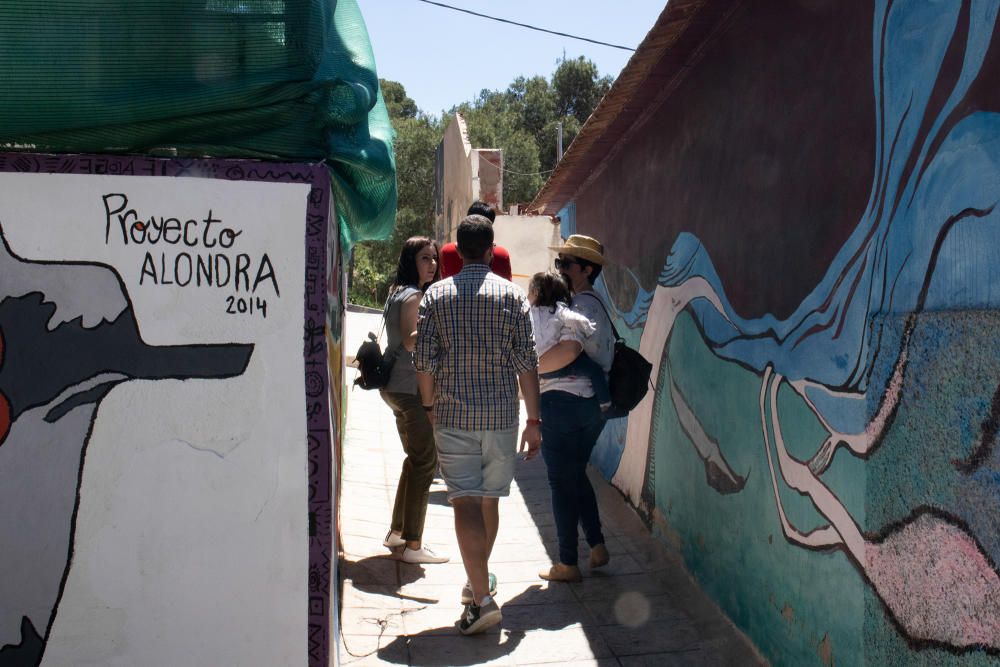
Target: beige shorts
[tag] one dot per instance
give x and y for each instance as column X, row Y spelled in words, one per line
column 476, row 463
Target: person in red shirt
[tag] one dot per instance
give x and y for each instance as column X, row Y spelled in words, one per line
column 451, row 262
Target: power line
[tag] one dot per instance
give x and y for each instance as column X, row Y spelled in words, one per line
column 525, row 25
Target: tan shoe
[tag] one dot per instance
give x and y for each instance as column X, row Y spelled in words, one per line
column 599, row 556
column 562, row 572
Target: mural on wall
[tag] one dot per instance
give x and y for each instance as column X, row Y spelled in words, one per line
column 69, row 336
column 336, row 296
column 845, row 357
column 331, row 457
column 158, row 411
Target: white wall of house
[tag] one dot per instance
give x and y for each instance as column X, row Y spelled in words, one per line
column 528, row 239
column 188, row 520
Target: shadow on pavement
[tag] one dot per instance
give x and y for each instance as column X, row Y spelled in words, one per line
column 377, row 575
column 532, row 480
column 435, row 649
column 444, row 646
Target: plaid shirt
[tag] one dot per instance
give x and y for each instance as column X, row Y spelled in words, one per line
column 474, row 336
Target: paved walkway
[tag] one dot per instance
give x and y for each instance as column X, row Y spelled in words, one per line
column 641, row 609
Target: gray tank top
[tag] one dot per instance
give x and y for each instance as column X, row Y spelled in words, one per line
column 403, row 378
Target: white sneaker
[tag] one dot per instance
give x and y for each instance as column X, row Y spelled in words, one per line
column 393, row 541
column 422, row 555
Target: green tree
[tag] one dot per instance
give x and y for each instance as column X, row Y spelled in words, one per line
column 417, row 136
column 416, row 151
column 397, row 101
column 578, row 88
column 547, row 149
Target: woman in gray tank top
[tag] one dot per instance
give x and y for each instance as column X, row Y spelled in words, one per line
column 417, row 268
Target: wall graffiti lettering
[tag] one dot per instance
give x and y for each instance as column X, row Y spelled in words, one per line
column 212, row 267
column 143, row 420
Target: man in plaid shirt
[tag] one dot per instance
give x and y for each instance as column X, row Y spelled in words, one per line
column 474, row 347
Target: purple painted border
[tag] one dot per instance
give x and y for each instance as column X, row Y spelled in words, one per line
column 321, row 554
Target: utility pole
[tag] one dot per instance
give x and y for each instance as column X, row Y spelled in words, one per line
column 558, row 142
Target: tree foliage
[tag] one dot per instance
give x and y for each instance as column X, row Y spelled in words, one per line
column 373, row 264
column 398, row 103
column 578, row 87
column 521, row 121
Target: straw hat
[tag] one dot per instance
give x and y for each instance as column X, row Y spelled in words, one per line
column 584, row 247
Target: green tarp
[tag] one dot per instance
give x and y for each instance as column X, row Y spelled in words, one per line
column 290, row 80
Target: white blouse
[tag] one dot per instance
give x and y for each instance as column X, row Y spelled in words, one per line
column 563, row 324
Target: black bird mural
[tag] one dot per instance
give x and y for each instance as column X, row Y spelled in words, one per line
column 68, row 336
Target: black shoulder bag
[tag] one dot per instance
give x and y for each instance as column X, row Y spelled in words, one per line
column 628, row 378
column 374, row 367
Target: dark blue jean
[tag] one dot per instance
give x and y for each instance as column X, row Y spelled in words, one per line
column 570, row 428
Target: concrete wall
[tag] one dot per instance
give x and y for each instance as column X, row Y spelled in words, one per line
column 463, row 175
column 456, row 191
column 165, row 480
column 528, row 239
column 489, row 173
column 805, row 237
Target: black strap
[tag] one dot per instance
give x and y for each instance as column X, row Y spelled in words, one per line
column 617, row 337
column 606, row 313
column 381, row 324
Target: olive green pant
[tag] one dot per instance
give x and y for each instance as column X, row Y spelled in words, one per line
column 417, row 437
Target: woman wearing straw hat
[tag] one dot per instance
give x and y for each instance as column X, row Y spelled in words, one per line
column 571, row 415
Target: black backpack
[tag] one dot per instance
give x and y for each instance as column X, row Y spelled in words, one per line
column 628, row 378
column 374, row 368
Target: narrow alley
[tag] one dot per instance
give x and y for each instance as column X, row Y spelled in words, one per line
column 641, row 609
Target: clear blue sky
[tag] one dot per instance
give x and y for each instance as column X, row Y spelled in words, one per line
column 443, row 57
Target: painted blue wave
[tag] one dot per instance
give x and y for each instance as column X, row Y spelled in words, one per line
column 895, row 257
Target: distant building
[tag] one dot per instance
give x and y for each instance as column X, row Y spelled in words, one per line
column 465, row 174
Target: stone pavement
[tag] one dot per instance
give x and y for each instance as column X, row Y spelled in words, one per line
column 641, row 609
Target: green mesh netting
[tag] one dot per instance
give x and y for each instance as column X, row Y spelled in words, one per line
column 289, row 80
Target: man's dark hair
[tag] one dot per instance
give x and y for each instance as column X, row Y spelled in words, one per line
column 475, row 237
column 483, row 209
column 596, row 269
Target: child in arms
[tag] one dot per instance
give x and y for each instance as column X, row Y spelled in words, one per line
column 553, row 322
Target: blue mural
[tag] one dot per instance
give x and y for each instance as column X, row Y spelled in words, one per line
column 839, row 372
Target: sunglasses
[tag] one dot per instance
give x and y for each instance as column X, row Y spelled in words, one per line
column 565, row 263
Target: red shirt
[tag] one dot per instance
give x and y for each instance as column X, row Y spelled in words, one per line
column 451, row 262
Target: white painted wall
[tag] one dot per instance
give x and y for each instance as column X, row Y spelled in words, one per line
column 528, row 239
column 191, row 539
